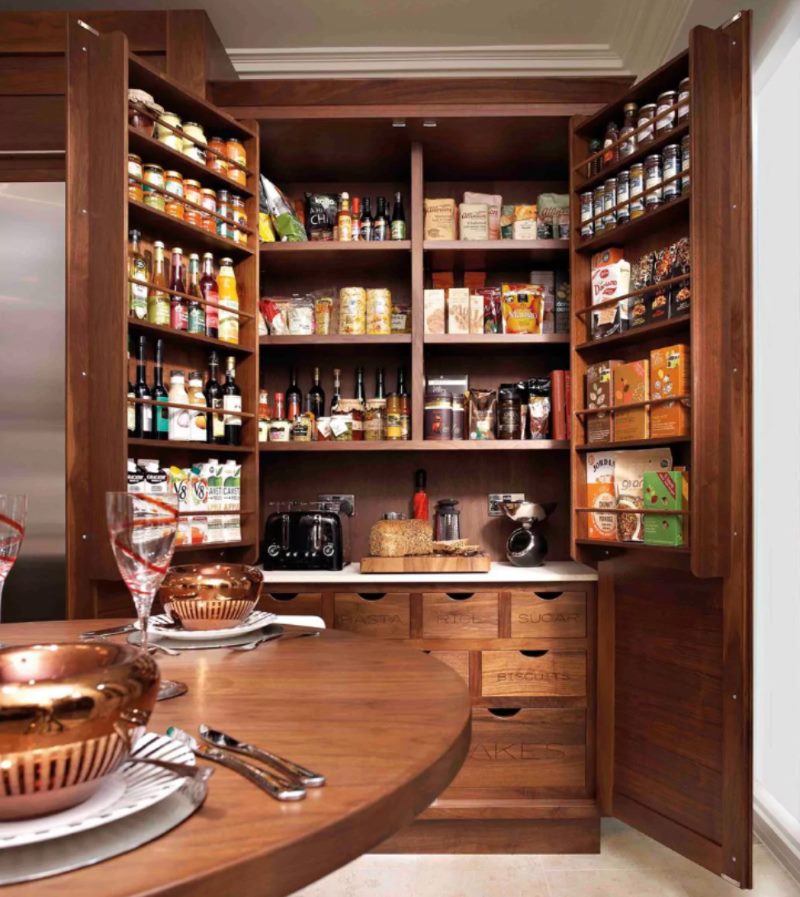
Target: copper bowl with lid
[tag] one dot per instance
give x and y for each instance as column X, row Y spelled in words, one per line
column 68, row 715
column 210, row 596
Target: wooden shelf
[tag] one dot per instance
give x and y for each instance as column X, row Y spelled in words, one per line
column 420, row 445
column 635, row 335
column 496, row 339
column 181, row 445
column 165, row 227
column 631, row 444
column 335, row 246
column 661, row 216
column 337, row 339
column 181, row 336
column 632, row 546
column 152, row 150
column 449, row 255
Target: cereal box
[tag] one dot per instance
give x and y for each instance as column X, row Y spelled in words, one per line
column 631, row 385
column 665, row 490
column 629, row 472
column 669, row 376
column 599, row 427
column 600, row 495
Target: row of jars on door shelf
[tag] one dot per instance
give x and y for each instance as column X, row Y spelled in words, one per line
column 209, row 305
column 638, row 190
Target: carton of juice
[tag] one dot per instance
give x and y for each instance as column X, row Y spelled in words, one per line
column 215, row 503
column 198, row 501
column 179, row 485
column 231, row 492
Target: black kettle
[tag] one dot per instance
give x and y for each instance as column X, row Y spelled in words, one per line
column 527, row 546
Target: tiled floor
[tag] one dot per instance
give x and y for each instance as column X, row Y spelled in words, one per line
column 630, row 865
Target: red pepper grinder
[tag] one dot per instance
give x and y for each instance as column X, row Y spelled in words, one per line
column 420, row 500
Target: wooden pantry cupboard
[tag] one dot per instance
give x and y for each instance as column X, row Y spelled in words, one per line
column 640, row 703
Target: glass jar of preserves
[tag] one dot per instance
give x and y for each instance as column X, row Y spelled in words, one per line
column 684, row 95
column 224, row 210
column 628, row 145
column 636, row 189
column 646, row 115
column 208, row 200
column 509, row 412
column 194, row 142
column 393, row 423
column 135, row 175
column 153, row 190
column 685, row 162
column 610, row 146
column 672, row 168
column 598, row 205
column 609, row 203
column 587, row 211
column 166, row 127
column 173, row 184
column 594, row 166
column 236, row 155
column 623, row 194
column 215, row 157
column 141, row 115
column 374, row 419
column 192, row 193
column 666, row 119
column 653, row 177
column 239, row 215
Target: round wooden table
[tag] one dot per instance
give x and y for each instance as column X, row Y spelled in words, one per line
column 388, row 726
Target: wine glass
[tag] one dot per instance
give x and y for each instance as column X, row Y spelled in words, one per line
column 13, row 509
column 142, row 531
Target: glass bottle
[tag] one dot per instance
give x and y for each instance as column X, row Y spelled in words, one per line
column 178, row 313
column 337, row 389
column 232, row 402
column 379, row 224
column 610, row 151
column 398, row 218
column 179, row 418
column 344, row 219
column 137, row 270
column 365, row 229
column 405, row 404
column 197, row 397
column 210, row 291
column 131, row 395
column 215, row 430
column 360, row 394
column 158, row 299
column 263, row 415
column 356, row 216
column 380, row 390
column 316, row 398
column 196, row 322
column 294, row 398
column 228, row 299
column 160, row 395
column 144, row 413
column 628, row 146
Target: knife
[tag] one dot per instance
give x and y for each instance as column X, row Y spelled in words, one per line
column 124, row 629
column 221, row 740
column 275, row 786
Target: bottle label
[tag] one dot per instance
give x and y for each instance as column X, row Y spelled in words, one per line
column 218, row 427
column 162, row 418
column 345, row 229
column 398, row 230
column 365, row 231
column 212, row 313
column 379, row 231
column 147, row 418
column 232, row 403
column 138, row 301
column 228, row 325
column 131, row 415
column 158, row 309
column 196, row 321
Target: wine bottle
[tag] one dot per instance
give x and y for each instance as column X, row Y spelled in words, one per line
column 365, row 229
column 294, row 398
column 379, row 225
column 144, row 413
column 337, row 389
column 398, row 218
column 360, row 394
column 160, row 395
column 380, row 391
column 316, row 398
column 215, row 429
column 131, row 396
column 232, row 402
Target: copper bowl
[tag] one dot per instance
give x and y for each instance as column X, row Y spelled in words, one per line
column 68, row 715
column 210, row 596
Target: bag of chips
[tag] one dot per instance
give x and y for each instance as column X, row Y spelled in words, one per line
column 281, row 213
column 523, row 308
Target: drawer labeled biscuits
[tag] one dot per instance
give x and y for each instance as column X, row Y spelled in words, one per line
column 525, row 748
column 457, row 660
column 379, row 614
column 459, row 615
column 542, row 614
column 300, row 603
column 536, row 673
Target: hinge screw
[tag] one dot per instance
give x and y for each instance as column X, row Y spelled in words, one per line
column 84, row 536
column 734, row 697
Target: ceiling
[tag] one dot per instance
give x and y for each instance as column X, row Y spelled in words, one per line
column 299, row 38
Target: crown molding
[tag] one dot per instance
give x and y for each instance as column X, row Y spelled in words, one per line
column 420, row 62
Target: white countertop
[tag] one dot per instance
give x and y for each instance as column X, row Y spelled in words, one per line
column 554, row 571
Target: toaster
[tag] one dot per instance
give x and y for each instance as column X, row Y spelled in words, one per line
column 303, row 539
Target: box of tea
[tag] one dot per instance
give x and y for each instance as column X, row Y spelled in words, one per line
column 669, row 376
column 665, row 490
column 631, row 386
column 600, row 427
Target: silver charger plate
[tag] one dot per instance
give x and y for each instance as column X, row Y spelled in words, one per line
column 256, row 620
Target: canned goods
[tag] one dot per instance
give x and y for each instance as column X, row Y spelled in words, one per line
column 191, row 192
column 587, row 229
column 623, row 194
column 665, row 100
column 609, row 203
column 166, row 135
column 194, row 142
column 598, row 205
column 216, row 159
column 672, row 168
column 235, row 153
column 685, row 162
column 683, row 100
column 646, row 114
column 653, row 177
column 636, row 189
column 208, row 200
column 239, row 215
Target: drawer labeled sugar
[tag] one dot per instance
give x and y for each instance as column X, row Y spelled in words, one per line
column 669, row 376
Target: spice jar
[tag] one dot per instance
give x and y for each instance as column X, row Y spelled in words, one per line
column 653, row 176
column 459, row 415
column 609, row 202
column 646, row 115
column 135, row 175
column 598, row 204
column 239, row 215
column 237, row 157
column 684, row 94
column 610, row 146
column 628, row 145
column 165, row 134
column 140, row 116
column 509, row 419
column 587, row 229
column 192, row 193
column 672, row 167
column 666, row 120
column 215, row 157
column 636, row 189
column 438, row 416
column 194, row 142
column 208, row 200
column 623, row 193
column 685, row 162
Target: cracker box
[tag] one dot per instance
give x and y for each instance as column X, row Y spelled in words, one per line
column 665, row 491
column 600, row 495
column 458, row 310
column 631, row 385
column 669, row 376
column 599, row 384
column 434, row 311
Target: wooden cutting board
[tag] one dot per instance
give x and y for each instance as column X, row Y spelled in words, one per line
column 427, row 564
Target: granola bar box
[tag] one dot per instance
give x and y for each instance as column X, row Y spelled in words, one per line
column 669, row 376
column 665, row 490
column 631, row 386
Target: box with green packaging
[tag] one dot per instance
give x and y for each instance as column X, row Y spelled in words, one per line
column 665, row 490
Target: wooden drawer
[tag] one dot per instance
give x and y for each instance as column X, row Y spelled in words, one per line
column 380, row 614
column 459, row 615
column 542, row 614
column 457, row 660
column 539, row 673
column 525, row 748
column 302, row 603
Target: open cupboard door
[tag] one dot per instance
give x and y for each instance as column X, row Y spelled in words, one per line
column 674, row 623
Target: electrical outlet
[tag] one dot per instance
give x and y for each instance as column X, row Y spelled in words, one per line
column 497, row 498
column 340, row 497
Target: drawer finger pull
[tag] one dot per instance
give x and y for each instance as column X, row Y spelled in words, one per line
column 459, row 596
column 371, row 596
column 283, row 596
column 504, row 712
column 533, row 653
column 548, row 596
column 426, row 650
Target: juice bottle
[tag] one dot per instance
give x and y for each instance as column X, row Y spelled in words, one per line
column 229, row 298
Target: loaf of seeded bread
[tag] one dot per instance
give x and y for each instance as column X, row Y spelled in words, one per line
column 400, row 538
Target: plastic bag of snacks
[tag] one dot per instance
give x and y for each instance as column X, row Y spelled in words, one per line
column 523, row 308
column 281, row 212
column 324, row 306
column 553, row 213
column 301, row 316
column 273, row 311
column 321, row 209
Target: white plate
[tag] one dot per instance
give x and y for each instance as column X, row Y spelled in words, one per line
column 256, row 620
column 133, row 787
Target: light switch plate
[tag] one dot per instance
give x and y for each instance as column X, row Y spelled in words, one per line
column 339, row 496
column 496, row 499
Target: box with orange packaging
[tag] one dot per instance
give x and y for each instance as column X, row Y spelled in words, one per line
column 613, row 384
column 209, row 497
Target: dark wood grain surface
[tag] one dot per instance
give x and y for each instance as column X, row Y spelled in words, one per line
column 387, row 725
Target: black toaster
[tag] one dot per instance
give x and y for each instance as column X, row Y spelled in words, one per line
column 303, row 540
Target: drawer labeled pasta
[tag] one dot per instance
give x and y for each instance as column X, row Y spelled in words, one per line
column 380, row 614
column 459, row 615
column 537, row 673
column 542, row 614
column 457, row 660
column 525, row 748
column 299, row 603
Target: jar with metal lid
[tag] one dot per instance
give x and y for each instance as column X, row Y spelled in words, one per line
column 224, row 209
column 192, row 193
column 394, row 426
column 628, row 145
column 672, row 167
column 239, row 215
column 623, row 194
column 208, row 200
column 140, row 114
column 653, row 177
column 353, row 409
column 237, row 159
column 685, row 162
column 509, row 417
column 459, row 415
column 684, row 95
column 135, row 176
column 594, row 166
column 636, row 189
column 279, row 431
column 166, row 126
column 405, row 416
column 194, row 142
column 664, row 119
column 438, row 416
column 153, row 190
column 374, row 420
column 173, row 184
column 645, row 121
column 598, row 205
column 609, row 202
column 153, row 175
column 587, row 211
column 216, row 159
